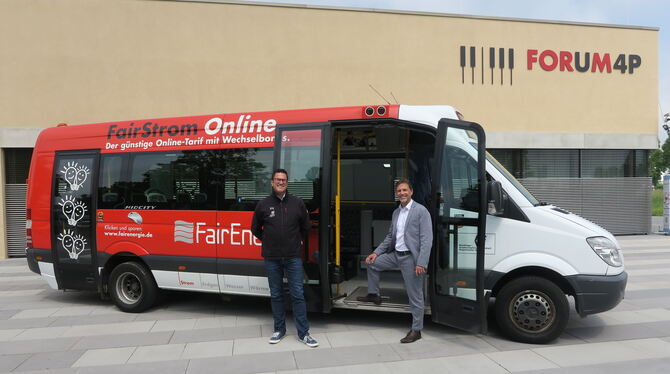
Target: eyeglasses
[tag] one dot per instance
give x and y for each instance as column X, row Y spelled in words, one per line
column 280, row 180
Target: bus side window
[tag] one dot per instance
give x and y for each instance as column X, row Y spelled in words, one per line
column 464, row 189
column 112, row 189
column 245, row 175
column 163, row 180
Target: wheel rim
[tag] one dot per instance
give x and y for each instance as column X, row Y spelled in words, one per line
column 129, row 288
column 532, row 311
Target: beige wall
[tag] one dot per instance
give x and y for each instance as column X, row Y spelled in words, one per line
column 81, row 61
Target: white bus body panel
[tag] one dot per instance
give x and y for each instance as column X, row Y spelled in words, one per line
column 552, row 239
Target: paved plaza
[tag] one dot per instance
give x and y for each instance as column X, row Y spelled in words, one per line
column 47, row 331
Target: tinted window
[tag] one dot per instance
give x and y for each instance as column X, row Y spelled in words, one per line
column 164, row 180
column 112, row 188
column 189, row 180
column 173, row 180
column 245, row 175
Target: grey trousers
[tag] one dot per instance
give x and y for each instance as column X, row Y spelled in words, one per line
column 413, row 283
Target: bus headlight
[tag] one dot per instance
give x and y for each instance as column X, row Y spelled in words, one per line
column 606, row 249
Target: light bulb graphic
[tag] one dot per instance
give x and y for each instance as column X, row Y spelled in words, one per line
column 78, row 245
column 67, row 240
column 80, row 176
column 75, row 175
column 72, row 209
column 73, row 244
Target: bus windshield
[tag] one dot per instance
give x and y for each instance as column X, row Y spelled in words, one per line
column 513, row 180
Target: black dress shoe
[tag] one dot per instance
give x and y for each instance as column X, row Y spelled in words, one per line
column 411, row 337
column 370, row 298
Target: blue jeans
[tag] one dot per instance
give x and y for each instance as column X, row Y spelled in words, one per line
column 275, row 270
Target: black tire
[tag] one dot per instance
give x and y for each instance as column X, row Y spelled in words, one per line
column 532, row 310
column 132, row 287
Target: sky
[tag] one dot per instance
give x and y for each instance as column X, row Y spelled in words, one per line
column 651, row 13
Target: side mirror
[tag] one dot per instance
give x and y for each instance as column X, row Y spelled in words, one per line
column 495, row 198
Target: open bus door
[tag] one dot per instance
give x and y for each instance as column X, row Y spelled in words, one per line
column 303, row 150
column 459, row 218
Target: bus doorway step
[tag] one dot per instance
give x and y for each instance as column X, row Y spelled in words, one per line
column 393, row 300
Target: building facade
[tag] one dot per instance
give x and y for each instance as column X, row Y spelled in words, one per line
column 570, row 108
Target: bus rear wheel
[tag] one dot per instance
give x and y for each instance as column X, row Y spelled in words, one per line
column 532, row 310
column 132, row 287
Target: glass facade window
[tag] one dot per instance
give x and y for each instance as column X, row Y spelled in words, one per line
column 607, row 163
column 17, row 164
column 550, row 163
column 573, row 163
column 641, row 163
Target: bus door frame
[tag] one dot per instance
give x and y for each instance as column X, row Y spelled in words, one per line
column 446, row 306
column 324, row 208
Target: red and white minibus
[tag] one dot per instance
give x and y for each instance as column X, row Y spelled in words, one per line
column 129, row 208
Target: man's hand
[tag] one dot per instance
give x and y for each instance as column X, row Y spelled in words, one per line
column 371, row 258
column 419, row 270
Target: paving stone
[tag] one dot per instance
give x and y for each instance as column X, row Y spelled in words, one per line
column 9, row 334
column 503, row 344
column 316, row 358
column 214, row 322
column 156, row 353
column 107, row 356
column 109, row 328
column 50, row 360
column 349, row 338
column 26, row 323
column 123, row 340
column 376, row 368
column 174, row 325
column 599, row 353
column 92, row 320
column 52, row 371
column 243, row 364
column 649, row 366
column 219, row 348
column 35, row 313
column 225, row 333
column 521, row 360
column 163, row 367
column 10, row 362
column 289, row 343
column 434, row 348
column 37, row 346
column 475, row 363
column 617, row 332
column 42, row 333
column 20, row 293
column 6, row 314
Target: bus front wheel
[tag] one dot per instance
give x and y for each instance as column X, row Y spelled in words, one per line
column 532, row 310
column 132, row 287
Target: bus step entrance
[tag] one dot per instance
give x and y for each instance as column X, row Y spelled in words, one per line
column 393, row 300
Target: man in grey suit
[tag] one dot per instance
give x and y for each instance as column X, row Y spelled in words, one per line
column 407, row 247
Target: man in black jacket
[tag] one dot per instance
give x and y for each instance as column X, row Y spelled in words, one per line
column 281, row 223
